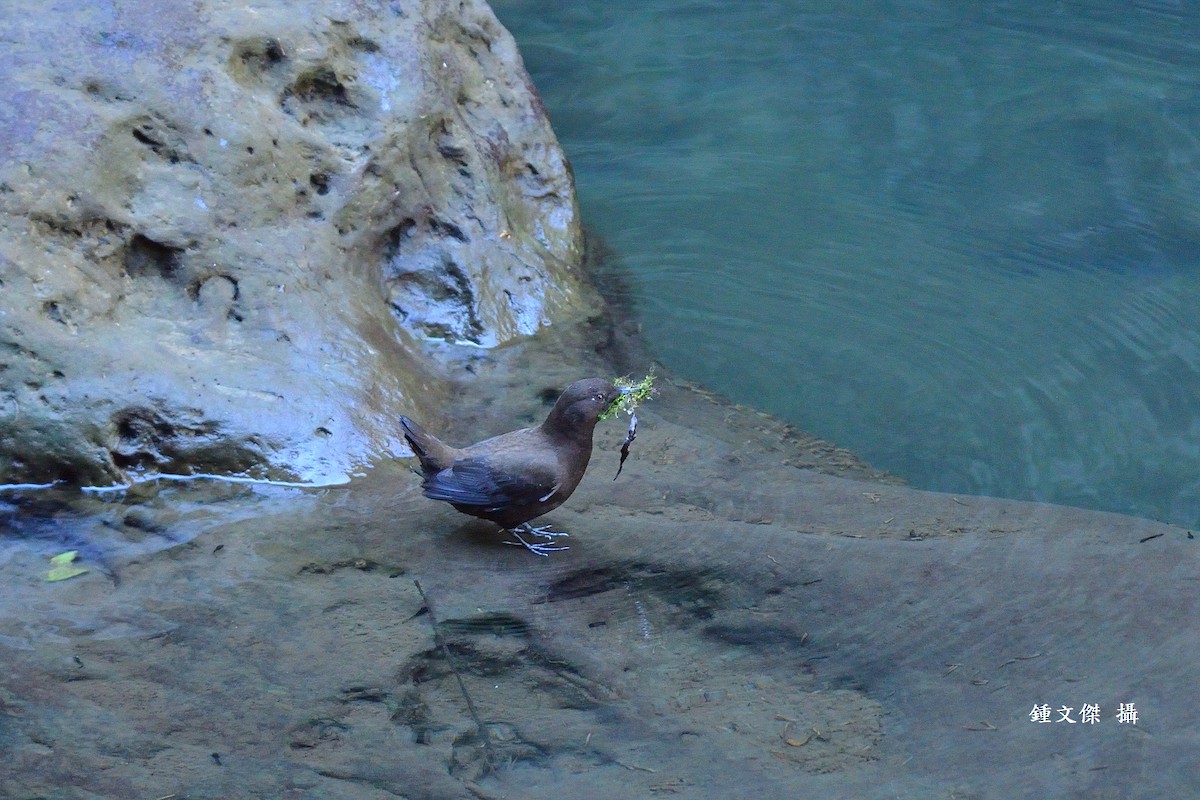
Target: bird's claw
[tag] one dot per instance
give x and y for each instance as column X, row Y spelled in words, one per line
column 544, row 549
column 544, row 531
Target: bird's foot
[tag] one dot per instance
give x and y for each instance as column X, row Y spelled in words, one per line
column 543, row 530
column 544, row 549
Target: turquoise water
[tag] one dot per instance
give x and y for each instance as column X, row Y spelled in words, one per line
column 961, row 242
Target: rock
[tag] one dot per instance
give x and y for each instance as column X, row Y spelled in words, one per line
column 226, row 230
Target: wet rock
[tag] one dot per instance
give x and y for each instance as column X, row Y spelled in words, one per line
column 225, row 231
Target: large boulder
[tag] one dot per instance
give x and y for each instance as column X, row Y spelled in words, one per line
column 227, row 230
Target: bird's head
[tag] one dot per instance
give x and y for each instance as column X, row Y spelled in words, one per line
column 580, row 406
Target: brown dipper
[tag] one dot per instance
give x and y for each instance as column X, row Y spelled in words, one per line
column 512, row 478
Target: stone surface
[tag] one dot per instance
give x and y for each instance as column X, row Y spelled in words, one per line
column 724, row 625
column 226, row 230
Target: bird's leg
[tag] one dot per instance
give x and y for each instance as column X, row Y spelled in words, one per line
column 537, row 549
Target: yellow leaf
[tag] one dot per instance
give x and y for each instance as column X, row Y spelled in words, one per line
column 62, row 568
column 62, row 573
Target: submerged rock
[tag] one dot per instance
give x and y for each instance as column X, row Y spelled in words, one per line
column 225, row 230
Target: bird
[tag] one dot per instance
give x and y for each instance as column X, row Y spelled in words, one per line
column 514, row 477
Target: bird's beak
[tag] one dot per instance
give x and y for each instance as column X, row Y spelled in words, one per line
column 624, row 389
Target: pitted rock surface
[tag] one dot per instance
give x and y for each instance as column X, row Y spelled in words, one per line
column 226, row 231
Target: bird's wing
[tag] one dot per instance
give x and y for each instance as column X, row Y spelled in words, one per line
column 491, row 486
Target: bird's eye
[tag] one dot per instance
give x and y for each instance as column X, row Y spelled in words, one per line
column 598, row 397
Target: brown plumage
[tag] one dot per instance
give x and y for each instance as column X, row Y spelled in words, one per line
column 515, row 477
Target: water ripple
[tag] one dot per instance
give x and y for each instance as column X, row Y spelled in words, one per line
column 960, row 241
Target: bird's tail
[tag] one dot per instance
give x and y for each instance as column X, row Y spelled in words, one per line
column 433, row 454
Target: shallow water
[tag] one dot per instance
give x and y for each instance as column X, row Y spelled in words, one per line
column 959, row 241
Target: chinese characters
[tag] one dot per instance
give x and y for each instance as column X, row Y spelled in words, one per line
column 1088, row 714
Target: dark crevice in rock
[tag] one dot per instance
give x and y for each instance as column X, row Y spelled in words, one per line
column 398, row 236
column 147, row 439
column 448, row 149
column 101, row 89
column 100, row 238
column 137, row 461
column 461, row 288
column 217, row 294
column 442, row 227
column 144, row 257
column 362, row 44
column 321, row 83
column 258, row 55
column 318, row 93
column 161, row 137
column 138, row 425
column 145, row 138
column 447, row 301
column 68, row 474
column 437, row 302
column 228, row 283
column 54, row 311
